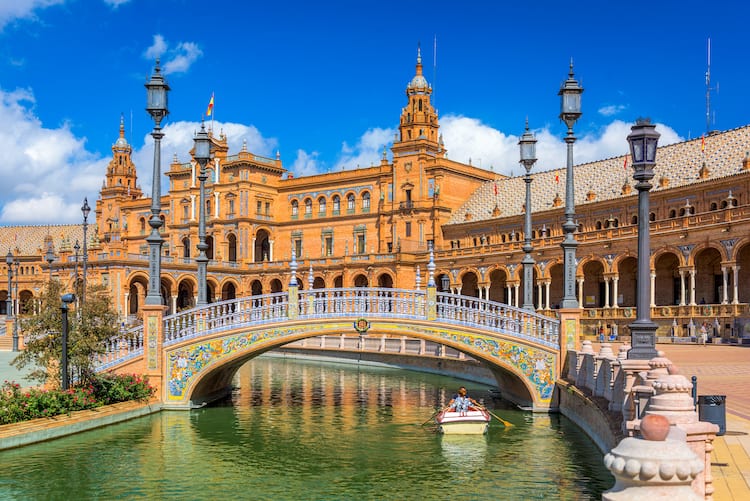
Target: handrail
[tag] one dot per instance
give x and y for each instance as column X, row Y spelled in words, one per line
column 350, row 303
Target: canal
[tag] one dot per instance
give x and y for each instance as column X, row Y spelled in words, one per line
column 306, row 430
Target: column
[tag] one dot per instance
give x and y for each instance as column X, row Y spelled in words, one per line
column 725, row 287
column 580, row 292
column 216, row 202
column 192, row 207
column 546, row 290
column 692, row 287
column 174, row 304
column 653, row 289
column 682, row 287
column 252, row 251
column 735, row 290
column 615, row 292
column 516, row 288
column 606, row 292
column 508, row 296
column 270, row 250
column 539, row 295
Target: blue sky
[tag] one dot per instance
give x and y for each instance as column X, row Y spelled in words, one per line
column 323, row 82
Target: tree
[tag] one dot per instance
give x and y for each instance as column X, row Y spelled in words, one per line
column 90, row 324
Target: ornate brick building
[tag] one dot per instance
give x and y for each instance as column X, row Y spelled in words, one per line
column 372, row 227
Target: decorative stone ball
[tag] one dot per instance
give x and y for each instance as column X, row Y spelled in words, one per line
column 654, row 427
column 673, row 369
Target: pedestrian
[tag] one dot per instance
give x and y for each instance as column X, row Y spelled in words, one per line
column 704, row 334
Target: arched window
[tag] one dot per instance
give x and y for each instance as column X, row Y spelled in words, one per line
column 336, row 204
column 350, row 202
column 322, row 206
column 672, row 214
column 652, row 217
column 295, row 208
column 366, row 201
column 308, row 207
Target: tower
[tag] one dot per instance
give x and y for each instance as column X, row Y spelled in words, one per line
column 121, row 179
column 418, row 130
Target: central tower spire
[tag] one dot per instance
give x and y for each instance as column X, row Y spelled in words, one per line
column 418, row 129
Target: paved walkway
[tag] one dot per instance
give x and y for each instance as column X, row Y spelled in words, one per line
column 723, row 370
column 10, row 373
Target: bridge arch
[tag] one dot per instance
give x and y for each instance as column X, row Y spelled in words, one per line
column 200, row 370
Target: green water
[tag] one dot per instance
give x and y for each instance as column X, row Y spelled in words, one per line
column 304, row 430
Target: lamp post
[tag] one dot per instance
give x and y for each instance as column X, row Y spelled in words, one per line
column 201, row 154
column 85, row 210
column 156, row 105
column 527, row 145
column 9, row 299
column 76, row 248
column 49, row 256
column 643, row 140
column 66, row 300
column 17, row 305
column 570, row 112
column 445, row 283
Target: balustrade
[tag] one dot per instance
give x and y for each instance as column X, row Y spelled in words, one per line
column 319, row 304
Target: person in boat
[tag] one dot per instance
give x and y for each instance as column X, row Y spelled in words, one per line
column 461, row 401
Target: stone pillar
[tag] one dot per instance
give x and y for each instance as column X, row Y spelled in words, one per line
column 580, row 292
column 682, row 288
column 735, row 291
column 606, row 292
column 516, row 287
column 615, row 281
column 546, row 295
column 539, row 303
column 673, row 399
column 570, row 329
column 653, row 289
column 725, row 286
column 652, row 467
column 153, row 348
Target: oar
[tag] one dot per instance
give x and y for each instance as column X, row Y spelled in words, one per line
column 505, row 423
column 432, row 417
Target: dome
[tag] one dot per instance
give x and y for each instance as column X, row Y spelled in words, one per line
column 418, row 81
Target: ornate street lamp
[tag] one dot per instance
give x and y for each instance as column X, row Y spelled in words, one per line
column 49, row 256
column 202, row 153
column 85, row 210
column 643, row 140
column 527, row 145
column 66, row 300
column 570, row 112
column 76, row 248
column 12, row 261
column 445, row 283
column 9, row 299
column 156, row 105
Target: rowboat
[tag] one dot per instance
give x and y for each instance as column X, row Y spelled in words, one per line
column 471, row 422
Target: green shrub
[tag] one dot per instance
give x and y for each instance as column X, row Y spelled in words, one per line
column 21, row 405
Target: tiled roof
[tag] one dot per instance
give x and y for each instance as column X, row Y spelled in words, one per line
column 30, row 240
column 678, row 163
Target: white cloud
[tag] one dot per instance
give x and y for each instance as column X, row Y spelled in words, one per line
column 367, row 151
column 612, row 109
column 11, row 10
column 468, row 138
column 115, row 3
column 157, row 49
column 49, row 159
column 306, row 164
column 178, row 59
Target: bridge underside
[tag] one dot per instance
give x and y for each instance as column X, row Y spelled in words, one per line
column 199, row 370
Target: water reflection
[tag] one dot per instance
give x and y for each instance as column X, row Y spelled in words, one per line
column 302, row 430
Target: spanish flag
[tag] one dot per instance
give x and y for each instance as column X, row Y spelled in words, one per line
column 210, row 106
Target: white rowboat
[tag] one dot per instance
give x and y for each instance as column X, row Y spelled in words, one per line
column 472, row 422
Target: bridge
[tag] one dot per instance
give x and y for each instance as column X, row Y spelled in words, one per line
column 192, row 356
